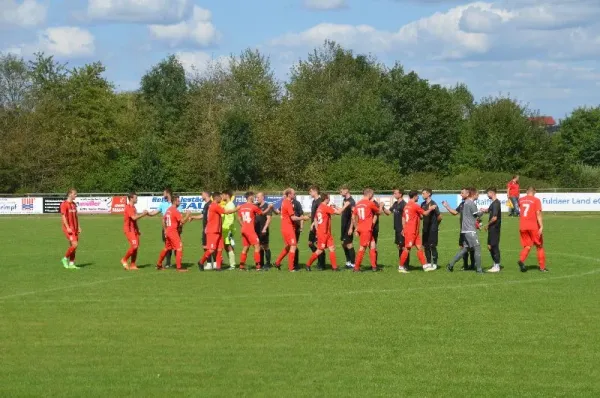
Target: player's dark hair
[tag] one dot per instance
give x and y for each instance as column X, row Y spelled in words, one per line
column 400, row 191
column 228, row 192
column 324, row 196
column 215, row 194
column 174, row 197
column 131, row 195
column 428, row 190
column 413, row 194
column 248, row 194
column 531, row 188
column 314, row 188
column 169, row 191
column 473, row 191
column 492, row 189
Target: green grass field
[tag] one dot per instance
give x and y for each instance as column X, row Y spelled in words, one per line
column 103, row 332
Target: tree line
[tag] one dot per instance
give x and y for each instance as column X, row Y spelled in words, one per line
column 339, row 119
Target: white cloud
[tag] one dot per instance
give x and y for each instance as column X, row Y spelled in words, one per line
column 139, row 11
column 325, row 4
column 27, row 13
column 62, row 42
column 197, row 30
column 199, row 61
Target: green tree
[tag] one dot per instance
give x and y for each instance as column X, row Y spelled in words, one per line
column 15, row 82
column 580, row 136
column 237, row 141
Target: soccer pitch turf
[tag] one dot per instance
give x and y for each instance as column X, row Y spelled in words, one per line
column 101, row 331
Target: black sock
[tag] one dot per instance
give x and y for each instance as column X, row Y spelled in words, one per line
column 352, row 255
column 168, row 257
column 297, row 258
column 466, row 260
column 346, row 254
column 428, row 254
column 313, row 248
column 434, row 255
column 321, row 262
column 495, row 252
column 262, row 256
column 213, row 258
column 268, row 256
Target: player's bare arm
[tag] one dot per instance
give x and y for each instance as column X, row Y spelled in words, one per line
column 450, row 209
column 66, row 224
column 200, row 217
column 267, row 210
column 266, row 227
column 140, row 215
column 152, row 213
column 540, row 222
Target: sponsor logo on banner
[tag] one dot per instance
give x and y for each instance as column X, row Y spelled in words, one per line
column 118, row 204
column 94, row 205
column 9, row 205
column 27, row 204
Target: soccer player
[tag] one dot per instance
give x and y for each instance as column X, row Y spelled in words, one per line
column 376, row 228
column 470, row 215
column 289, row 228
column 410, row 227
column 214, row 230
column 514, row 192
column 531, row 227
column 363, row 223
column 298, row 212
column 262, row 223
column 173, row 223
column 431, row 224
column 493, row 227
column 228, row 226
column 347, row 233
column 70, row 227
column 464, row 194
column 132, row 232
column 312, row 235
column 162, row 209
column 247, row 217
column 324, row 238
column 397, row 209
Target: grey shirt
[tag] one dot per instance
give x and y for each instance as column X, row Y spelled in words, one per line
column 469, row 215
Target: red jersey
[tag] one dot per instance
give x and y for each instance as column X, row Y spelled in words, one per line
column 529, row 207
column 287, row 211
column 513, row 189
column 247, row 213
column 69, row 210
column 129, row 224
column 365, row 209
column 213, row 223
column 172, row 220
column 323, row 218
column 412, row 216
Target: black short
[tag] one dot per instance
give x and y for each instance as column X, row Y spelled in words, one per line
column 461, row 239
column 263, row 238
column 493, row 237
column 312, row 236
column 347, row 239
column 376, row 235
column 430, row 238
column 203, row 239
column 399, row 239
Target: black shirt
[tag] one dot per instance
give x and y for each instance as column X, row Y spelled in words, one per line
column 397, row 210
column 261, row 220
column 347, row 215
column 430, row 222
column 313, row 210
column 376, row 226
column 459, row 209
column 205, row 214
column 298, row 212
column 495, row 211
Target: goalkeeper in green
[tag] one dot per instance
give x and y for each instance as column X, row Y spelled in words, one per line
column 229, row 226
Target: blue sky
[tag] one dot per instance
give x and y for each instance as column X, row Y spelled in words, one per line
column 542, row 52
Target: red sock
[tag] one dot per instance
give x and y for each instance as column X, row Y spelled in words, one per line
column 312, row 259
column 178, row 258
column 373, row 258
column 205, row 257
column 243, row 258
column 69, row 252
column 404, row 257
column 257, row 259
column 524, row 254
column 541, row 255
column 161, row 257
column 129, row 254
column 219, row 259
column 291, row 259
column 421, row 256
column 359, row 258
column 333, row 260
column 72, row 256
column 282, row 255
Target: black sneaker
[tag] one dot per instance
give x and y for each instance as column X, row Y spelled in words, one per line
column 522, row 266
column 309, row 269
column 200, row 266
column 278, row 267
column 168, row 266
column 449, row 268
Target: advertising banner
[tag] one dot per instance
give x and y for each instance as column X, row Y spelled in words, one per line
column 52, row 205
column 560, row 202
column 21, row 205
column 118, row 204
column 94, row 205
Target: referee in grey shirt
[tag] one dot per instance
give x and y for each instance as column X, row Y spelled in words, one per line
column 470, row 215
